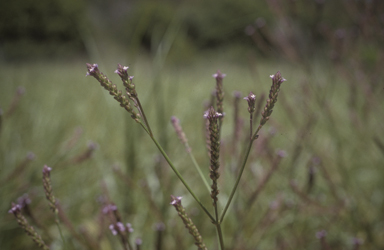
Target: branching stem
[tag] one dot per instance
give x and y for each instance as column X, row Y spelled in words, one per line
column 182, row 179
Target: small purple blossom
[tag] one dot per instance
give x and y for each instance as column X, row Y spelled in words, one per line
column 251, row 96
column 176, row 200
column 219, row 75
column 321, row 234
column 282, row 153
column 237, row 94
column 274, row 205
column 174, row 120
column 129, row 228
column 91, row 68
column 20, row 91
column 31, row 156
column 109, row 208
column 251, row 99
column 209, row 115
column 260, row 22
column 281, row 81
column 122, row 71
column 23, row 200
column 113, row 230
column 138, row 241
column 46, row 170
column 249, row 30
column 16, row 208
column 357, row 241
column 159, row 226
column 120, row 226
column 316, row 160
column 92, row 145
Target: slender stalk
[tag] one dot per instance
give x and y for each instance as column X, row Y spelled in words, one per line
column 59, row 228
column 277, row 80
column 141, row 110
column 218, row 228
column 199, row 171
column 182, row 179
column 145, row 128
column 52, row 199
column 250, row 125
column 237, row 181
column 129, row 245
column 183, row 138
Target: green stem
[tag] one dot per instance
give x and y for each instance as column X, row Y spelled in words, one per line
column 129, row 244
column 145, row 128
column 237, row 181
column 59, row 228
column 253, row 138
column 251, row 125
column 141, row 110
column 218, row 228
column 181, row 179
column 199, row 171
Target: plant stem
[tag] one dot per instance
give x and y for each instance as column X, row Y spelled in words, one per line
column 199, row 171
column 250, row 124
column 129, row 244
column 237, row 180
column 59, row 228
column 218, row 228
column 144, row 127
column 182, row 179
column 141, row 110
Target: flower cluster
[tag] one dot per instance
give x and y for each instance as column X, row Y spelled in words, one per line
column 93, row 70
column 176, row 202
column 119, row 227
column 219, row 92
column 176, row 125
column 23, row 223
column 212, row 116
column 277, row 80
column 48, row 188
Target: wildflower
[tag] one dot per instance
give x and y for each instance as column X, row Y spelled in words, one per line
column 251, row 99
column 176, row 202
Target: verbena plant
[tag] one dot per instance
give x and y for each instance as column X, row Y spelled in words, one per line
column 214, row 116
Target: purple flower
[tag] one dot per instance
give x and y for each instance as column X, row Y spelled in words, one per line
column 120, row 226
column 210, row 114
column 92, row 68
column 138, row 241
column 249, row 30
column 46, row 170
column 30, row 156
column 16, row 208
column 129, row 228
column 23, row 200
column 219, row 75
column 109, row 208
column 282, row 153
column 251, row 99
column 357, row 241
column 113, row 230
column 176, row 200
column 321, row 234
column 281, row 80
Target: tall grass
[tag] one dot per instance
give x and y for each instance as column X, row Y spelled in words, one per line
column 329, row 180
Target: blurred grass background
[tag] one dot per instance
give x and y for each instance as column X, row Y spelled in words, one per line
column 329, row 119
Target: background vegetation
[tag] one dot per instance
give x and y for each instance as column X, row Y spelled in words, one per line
column 328, row 120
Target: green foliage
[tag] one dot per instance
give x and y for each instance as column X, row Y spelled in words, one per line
column 313, row 118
